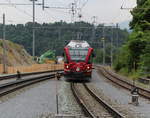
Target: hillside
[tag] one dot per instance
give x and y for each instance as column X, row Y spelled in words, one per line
column 16, row 54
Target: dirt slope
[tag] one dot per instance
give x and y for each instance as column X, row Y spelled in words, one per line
column 16, row 54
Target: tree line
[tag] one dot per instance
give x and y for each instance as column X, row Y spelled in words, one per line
column 134, row 56
column 56, row 35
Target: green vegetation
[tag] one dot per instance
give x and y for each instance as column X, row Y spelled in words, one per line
column 48, row 55
column 134, row 56
column 54, row 36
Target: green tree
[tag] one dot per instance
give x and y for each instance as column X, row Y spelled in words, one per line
column 136, row 55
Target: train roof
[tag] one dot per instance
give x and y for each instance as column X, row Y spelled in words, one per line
column 78, row 44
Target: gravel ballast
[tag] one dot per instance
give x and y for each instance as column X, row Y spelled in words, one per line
column 121, row 96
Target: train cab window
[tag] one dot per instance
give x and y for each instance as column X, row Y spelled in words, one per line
column 78, row 54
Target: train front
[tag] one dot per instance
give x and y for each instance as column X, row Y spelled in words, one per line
column 78, row 59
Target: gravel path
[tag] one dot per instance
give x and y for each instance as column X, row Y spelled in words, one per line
column 121, row 96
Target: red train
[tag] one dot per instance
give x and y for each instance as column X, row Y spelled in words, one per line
column 78, row 56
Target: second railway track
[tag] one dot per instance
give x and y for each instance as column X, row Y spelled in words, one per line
column 15, row 85
column 123, row 82
column 92, row 105
column 12, row 76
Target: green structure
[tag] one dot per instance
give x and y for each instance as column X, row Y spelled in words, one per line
column 47, row 57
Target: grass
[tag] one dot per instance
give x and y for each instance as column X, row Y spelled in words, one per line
column 134, row 75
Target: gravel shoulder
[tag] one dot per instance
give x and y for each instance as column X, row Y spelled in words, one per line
column 121, row 96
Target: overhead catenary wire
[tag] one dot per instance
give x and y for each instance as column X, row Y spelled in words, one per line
column 84, row 4
column 20, row 10
column 20, row 4
column 49, row 14
column 130, row 8
column 59, row 11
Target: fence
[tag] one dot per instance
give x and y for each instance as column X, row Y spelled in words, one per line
column 32, row 68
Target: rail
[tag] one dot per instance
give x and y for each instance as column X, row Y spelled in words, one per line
column 15, row 85
column 81, row 103
column 26, row 74
column 87, row 112
column 123, row 83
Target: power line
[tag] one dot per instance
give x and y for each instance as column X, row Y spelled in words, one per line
column 21, row 4
column 60, row 11
column 84, row 4
column 123, row 8
column 20, row 10
column 99, row 27
column 129, row 8
column 56, row 7
column 49, row 14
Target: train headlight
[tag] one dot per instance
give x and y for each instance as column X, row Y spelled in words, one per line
column 67, row 66
column 88, row 67
column 77, row 69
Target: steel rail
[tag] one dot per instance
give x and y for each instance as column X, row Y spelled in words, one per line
column 123, row 83
column 110, row 109
column 27, row 74
column 15, row 85
column 87, row 112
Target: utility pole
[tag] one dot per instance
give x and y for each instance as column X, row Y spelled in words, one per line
column 94, row 24
column 59, row 34
column 112, row 46
column 79, row 35
column 117, row 28
column 73, row 11
column 43, row 4
column 103, row 40
column 33, row 31
column 4, row 47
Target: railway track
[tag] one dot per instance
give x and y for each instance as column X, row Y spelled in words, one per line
column 15, row 85
column 123, row 82
column 11, row 76
column 92, row 105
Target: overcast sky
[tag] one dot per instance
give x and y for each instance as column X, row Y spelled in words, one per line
column 107, row 11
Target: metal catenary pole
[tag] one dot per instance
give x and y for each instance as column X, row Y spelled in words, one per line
column 33, row 50
column 117, row 28
column 112, row 46
column 33, row 32
column 4, row 47
column 103, row 39
column 94, row 26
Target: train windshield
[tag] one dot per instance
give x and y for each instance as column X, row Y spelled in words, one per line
column 78, row 54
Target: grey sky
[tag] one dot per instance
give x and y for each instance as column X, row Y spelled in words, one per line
column 107, row 11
